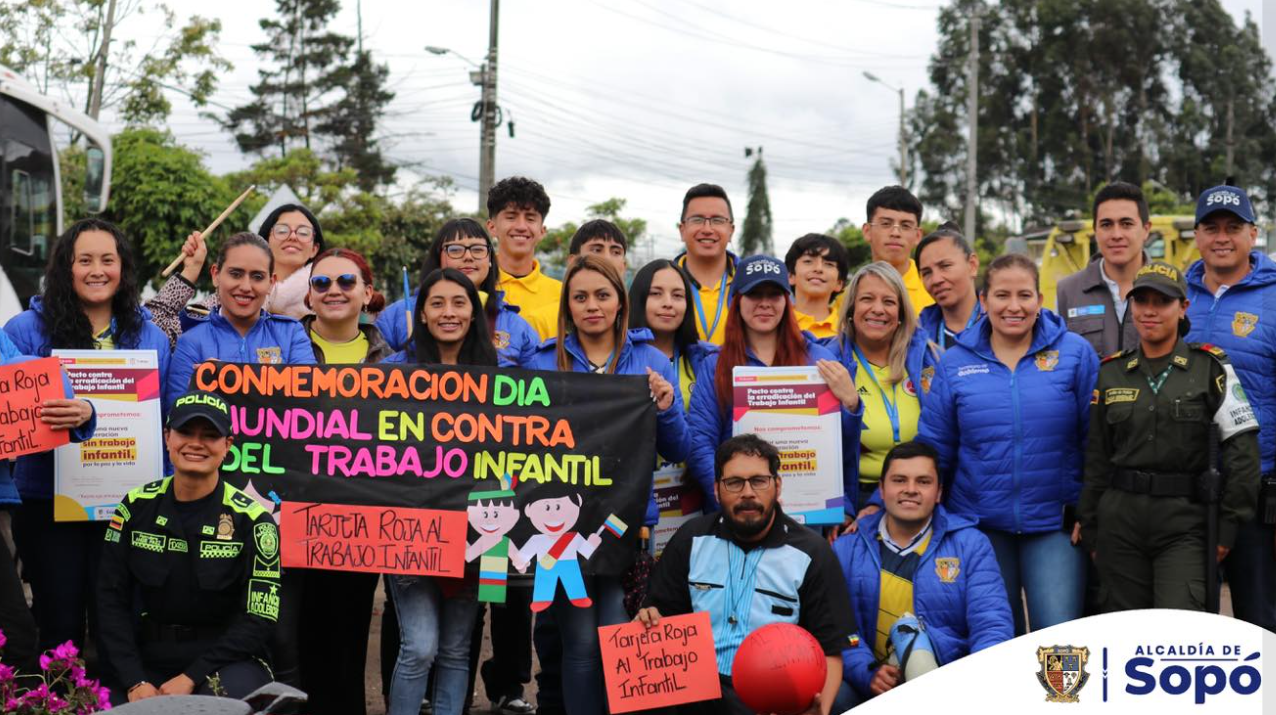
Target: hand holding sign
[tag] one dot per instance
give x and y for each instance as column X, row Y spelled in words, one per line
column 670, row 662
column 27, row 391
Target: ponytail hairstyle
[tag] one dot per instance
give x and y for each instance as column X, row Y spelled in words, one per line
column 790, row 349
column 65, row 324
column 476, row 347
column 566, row 325
column 376, row 303
column 454, row 230
column 947, row 230
column 640, row 289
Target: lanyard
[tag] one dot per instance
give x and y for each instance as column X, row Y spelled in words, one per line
column 892, row 411
column 1159, row 380
column 722, row 301
column 942, row 329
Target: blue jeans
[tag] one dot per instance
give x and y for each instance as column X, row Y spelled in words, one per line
column 1250, row 569
column 583, row 692
column 1048, row 569
column 429, row 626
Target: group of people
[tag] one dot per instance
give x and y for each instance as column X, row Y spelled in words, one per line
column 1005, row 467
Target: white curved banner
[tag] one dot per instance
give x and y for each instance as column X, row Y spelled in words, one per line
column 1152, row 661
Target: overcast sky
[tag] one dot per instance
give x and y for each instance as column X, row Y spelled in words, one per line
column 637, row 99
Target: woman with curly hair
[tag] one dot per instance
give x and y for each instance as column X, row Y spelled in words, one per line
column 91, row 302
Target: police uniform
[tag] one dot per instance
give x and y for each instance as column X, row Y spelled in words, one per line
column 1150, row 423
column 204, row 577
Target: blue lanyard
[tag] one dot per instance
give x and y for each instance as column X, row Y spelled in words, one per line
column 892, row 411
column 975, row 315
column 722, row 300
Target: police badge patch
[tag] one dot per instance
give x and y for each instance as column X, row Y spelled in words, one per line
column 225, row 528
column 1243, row 324
column 267, row 540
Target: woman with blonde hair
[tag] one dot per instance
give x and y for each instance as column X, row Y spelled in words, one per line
column 890, row 360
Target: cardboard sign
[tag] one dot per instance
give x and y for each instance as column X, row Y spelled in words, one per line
column 793, row 409
column 23, row 387
column 374, row 539
column 671, row 663
column 127, row 448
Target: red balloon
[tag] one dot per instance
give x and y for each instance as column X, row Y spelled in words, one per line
column 778, row 669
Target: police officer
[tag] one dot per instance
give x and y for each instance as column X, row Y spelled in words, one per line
column 199, row 561
column 1142, row 515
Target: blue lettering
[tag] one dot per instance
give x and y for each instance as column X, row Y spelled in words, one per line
column 1210, row 680
column 1133, row 673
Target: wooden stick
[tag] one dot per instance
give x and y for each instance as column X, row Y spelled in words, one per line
column 211, row 227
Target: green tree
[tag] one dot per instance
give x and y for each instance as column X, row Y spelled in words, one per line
column 755, row 234
column 352, row 121
column 557, row 241
column 304, row 64
column 853, row 238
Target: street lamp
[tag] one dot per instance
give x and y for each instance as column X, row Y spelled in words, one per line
column 903, row 132
column 487, row 114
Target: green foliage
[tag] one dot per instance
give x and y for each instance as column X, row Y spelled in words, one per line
column 352, row 121
column 755, row 234
column 853, row 238
column 553, row 249
column 161, row 192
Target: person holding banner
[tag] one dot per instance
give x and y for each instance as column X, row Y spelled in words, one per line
column 594, row 337
column 91, row 301
column 879, row 344
column 199, row 559
column 240, row 329
column 295, row 238
column 463, row 245
column 762, row 332
column 334, row 642
column 1008, row 412
column 436, row 616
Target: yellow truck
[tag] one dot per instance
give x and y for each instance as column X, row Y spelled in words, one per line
column 1067, row 248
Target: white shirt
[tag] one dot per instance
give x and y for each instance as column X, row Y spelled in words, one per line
column 540, row 545
column 1118, row 300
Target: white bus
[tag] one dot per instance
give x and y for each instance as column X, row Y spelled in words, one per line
column 30, row 187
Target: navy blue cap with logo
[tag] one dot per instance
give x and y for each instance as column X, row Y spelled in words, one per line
column 753, row 271
column 1224, row 198
column 200, row 405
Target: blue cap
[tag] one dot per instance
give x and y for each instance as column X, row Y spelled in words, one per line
column 753, row 271
column 1225, row 198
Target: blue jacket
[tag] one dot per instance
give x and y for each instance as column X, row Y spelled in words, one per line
column 963, row 614
column 931, row 320
column 710, row 427
column 1011, row 444
column 1243, row 323
column 638, row 354
column 920, row 363
column 516, row 342
column 33, row 473
column 273, row 339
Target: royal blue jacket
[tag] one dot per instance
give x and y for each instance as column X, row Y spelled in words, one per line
column 958, row 592
column 515, row 340
column 710, row 426
column 34, row 473
column 919, row 366
column 1011, row 443
column 275, row 339
column 638, row 354
column 1243, row 323
column 931, row 320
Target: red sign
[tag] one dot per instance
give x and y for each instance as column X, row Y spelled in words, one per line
column 671, row 663
column 376, row 539
column 24, row 387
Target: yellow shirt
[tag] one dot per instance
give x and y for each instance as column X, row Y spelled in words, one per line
column 825, row 328
column 349, row 353
column 104, row 340
column 895, row 593
column 544, row 320
column 878, row 435
column 917, row 294
column 530, row 292
column 714, row 304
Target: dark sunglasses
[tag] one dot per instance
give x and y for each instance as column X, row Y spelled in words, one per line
column 346, row 281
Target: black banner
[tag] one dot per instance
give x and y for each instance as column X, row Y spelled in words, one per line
column 580, row 449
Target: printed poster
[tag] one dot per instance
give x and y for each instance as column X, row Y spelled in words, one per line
column 127, row 450
column 24, row 386
column 678, row 499
column 793, row 408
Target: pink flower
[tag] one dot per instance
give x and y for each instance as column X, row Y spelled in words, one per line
column 6, row 673
column 3, row 640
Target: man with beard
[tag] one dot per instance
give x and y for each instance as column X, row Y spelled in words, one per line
column 750, row 565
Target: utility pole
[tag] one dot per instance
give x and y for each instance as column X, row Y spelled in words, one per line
column 903, row 143
column 99, row 75
column 487, row 148
column 1231, row 119
column 972, row 143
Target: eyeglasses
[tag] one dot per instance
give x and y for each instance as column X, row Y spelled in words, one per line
column 321, row 284
column 759, row 483
column 283, row 230
column 456, row 251
column 698, row 221
column 887, row 225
